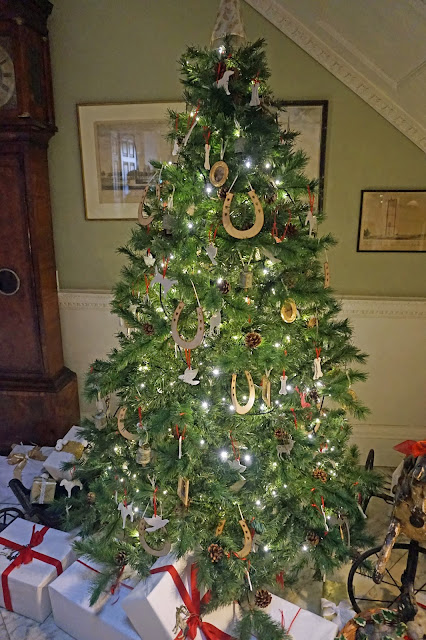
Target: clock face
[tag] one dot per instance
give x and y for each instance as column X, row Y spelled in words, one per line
column 7, row 77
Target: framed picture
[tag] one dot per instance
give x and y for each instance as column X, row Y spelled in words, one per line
column 392, row 221
column 309, row 119
column 117, row 142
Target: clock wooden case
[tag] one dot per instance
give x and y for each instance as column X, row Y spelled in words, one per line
column 38, row 394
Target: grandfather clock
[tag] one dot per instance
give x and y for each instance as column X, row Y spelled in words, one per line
column 38, row 394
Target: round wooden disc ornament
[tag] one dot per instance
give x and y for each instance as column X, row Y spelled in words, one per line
column 199, row 336
column 243, row 234
column 144, row 220
column 219, row 173
column 289, row 311
column 120, row 425
column 242, row 409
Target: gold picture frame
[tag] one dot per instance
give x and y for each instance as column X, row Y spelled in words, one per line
column 117, row 143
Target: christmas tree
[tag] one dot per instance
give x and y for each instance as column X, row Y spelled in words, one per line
column 234, row 371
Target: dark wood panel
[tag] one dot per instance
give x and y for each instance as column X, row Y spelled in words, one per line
column 20, row 348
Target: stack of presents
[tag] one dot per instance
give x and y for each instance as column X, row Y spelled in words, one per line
column 40, row 574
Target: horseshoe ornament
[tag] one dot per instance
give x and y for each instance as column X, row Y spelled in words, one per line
column 158, row 553
column 120, row 425
column 142, row 219
column 242, row 234
column 199, row 336
column 248, row 541
column 289, row 311
column 242, row 409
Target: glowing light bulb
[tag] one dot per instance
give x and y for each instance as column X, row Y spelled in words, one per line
column 190, row 225
column 209, row 188
column 274, row 493
column 267, row 165
column 289, row 387
column 304, row 548
column 219, row 280
column 136, row 509
column 224, row 455
column 247, row 458
column 202, row 442
column 285, row 486
column 248, row 163
column 205, row 405
column 258, row 503
column 231, row 407
column 277, row 181
column 165, row 492
column 277, row 345
column 266, row 548
column 142, row 385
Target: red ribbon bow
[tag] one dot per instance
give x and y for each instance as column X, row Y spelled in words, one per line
column 193, row 603
column 25, row 556
column 411, row 447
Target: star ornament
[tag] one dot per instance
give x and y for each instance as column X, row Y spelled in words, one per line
column 155, row 523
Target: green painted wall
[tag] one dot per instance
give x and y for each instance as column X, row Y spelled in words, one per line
column 126, row 50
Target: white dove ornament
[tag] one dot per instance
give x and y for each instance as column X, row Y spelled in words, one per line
column 70, row 484
column 189, row 376
column 155, row 523
column 166, row 283
column 126, row 511
column 236, row 465
column 224, row 82
column 211, row 251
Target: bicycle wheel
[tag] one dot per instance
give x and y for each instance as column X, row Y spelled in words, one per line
column 364, row 593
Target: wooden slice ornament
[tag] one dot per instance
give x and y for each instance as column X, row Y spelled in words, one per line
column 158, row 553
column 243, row 234
column 219, row 173
column 289, row 311
column 120, row 425
column 242, row 409
column 143, row 219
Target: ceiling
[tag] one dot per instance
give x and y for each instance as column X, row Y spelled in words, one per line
column 376, row 47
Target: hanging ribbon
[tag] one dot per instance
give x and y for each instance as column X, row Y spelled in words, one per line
column 214, row 234
column 318, row 351
column 188, row 357
column 279, row 579
column 234, row 447
column 165, row 265
column 277, row 238
column 193, row 602
column 411, row 447
column 294, row 417
column 181, row 438
column 311, row 200
column 140, row 417
column 26, row 554
column 154, row 500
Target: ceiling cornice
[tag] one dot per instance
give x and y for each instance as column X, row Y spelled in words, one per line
column 341, row 69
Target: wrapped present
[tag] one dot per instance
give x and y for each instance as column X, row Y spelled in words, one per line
column 24, row 462
column 67, row 449
column 335, row 604
column 43, row 489
column 175, row 582
column 106, row 620
column 31, row 558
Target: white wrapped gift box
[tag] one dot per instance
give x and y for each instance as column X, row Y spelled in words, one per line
column 56, row 460
column 105, row 620
column 24, row 580
column 32, row 469
column 153, row 604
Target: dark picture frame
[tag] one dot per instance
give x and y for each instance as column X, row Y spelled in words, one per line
column 310, row 119
column 392, row 221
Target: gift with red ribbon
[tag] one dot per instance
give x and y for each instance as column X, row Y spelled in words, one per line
column 70, row 596
column 412, row 448
column 170, row 600
column 41, row 554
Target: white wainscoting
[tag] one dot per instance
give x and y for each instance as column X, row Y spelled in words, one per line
column 390, row 330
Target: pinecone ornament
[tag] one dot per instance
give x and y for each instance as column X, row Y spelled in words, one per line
column 320, row 474
column 215, row 552
column 253, row 340
column 312, row 322
column 221, row 193
column 271, row 197
column 262, row 599
column 313, row 539
column 91, row 497
column 291, row 231
column 148, row 328
column 224, row 287
column 281, row 434
column 121, row 559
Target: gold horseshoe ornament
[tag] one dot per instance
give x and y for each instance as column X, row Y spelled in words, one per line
column 248, row 541
column 158, row 553
column 143, row 219
column 120, row 425
column 289, row 311
column 199, row 336
column 242, row 234
column 242, row 409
